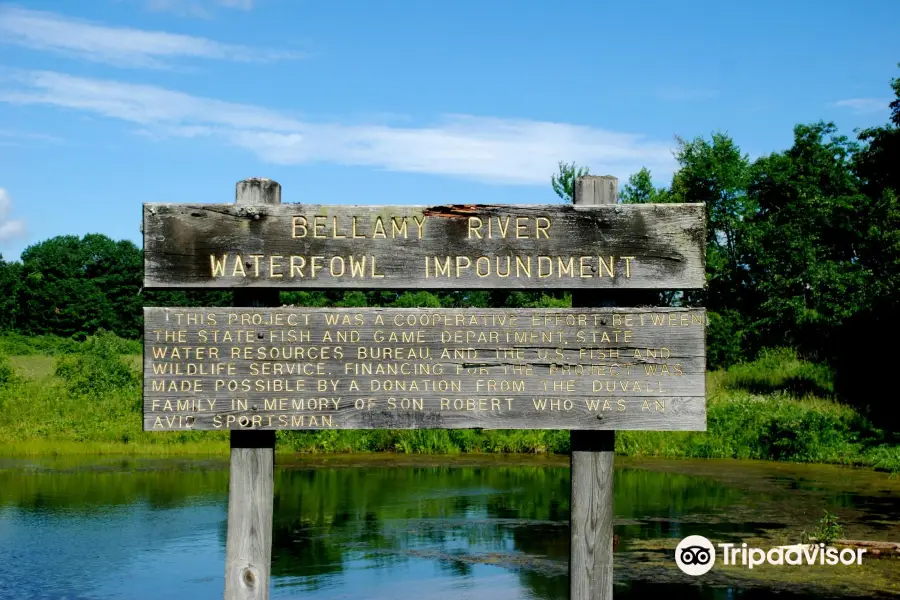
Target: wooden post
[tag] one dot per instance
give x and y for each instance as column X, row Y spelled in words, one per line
column 591, row 502
column 251, row 487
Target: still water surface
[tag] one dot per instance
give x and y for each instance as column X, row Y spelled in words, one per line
column 427, row 529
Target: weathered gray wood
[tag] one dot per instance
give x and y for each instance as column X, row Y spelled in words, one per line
column 251, row 487
column 591, row 515
column 282, row 363
column 592, row 457
column 596, row 190
column 654, row 246
column 251, row 493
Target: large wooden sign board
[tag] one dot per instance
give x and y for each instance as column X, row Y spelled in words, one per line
column 377, row 368
column 464, row 246
column 590, row 370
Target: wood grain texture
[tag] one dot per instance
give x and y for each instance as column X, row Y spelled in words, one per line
column 666, row 241
column 248, row 546
column 251, row 486
column 591, row 516
column 567, row 359
column 593, row 453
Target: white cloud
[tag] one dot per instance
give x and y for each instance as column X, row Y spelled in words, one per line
column 28, row 136
column 118, row 46
column 196, row 8
column 864, row 105
column 470, row 147
column 9, row 228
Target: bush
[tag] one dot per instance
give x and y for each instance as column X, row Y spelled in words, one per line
column 7, row 375
column 780, row 370
column 417, row 300
column 98, row 366
column 724, row 339
column 16, row 344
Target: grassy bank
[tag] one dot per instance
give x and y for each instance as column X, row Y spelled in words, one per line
column 84, row 397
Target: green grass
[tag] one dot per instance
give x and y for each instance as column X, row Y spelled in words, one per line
column 779, row 370
column 16, row 344
column 34, row 366
column 776, row 408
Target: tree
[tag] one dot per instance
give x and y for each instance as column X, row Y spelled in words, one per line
column 876, row 163
column 73, row 287
column 10, row 275
column 640, row 190
column 806, row 240
column 564, row 182
column 715, row 172
column 877, row 252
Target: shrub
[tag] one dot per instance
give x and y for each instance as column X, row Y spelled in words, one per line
column 7, row 374
column 828, row 529
column 17, row 344
column 98, row 366
column 725, row 339
column 417, row 300
column 779, row 370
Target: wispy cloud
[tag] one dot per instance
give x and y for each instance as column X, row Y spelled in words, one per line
column 464, row 146
column 9, row 228
column 679, row 93
column 203, row 9
column 118, row 46
column 864, row 105
column 11, row 136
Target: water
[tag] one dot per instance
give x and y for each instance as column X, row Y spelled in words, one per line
column 388, row 528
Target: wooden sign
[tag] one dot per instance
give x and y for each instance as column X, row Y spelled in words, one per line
column 653, row 246
column 316, row 368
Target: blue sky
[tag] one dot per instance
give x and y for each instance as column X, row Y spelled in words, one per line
column 106, row 104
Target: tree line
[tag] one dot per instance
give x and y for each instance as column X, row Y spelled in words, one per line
column 803, row 251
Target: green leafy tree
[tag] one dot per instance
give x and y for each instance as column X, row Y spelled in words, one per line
column 877, row 251
column 75, row 286
column 10, row 275
column 806, row 239
column 716, row 173
column 640, row 190
column 417, row 299
column 877, row 164
column 564, row 181
column 186, row 298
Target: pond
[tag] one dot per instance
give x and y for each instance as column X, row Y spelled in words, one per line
column 387, row 527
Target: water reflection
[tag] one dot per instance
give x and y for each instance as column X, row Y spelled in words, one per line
column 142, row 530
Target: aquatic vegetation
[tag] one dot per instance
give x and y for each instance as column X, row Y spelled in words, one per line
column 827, row 530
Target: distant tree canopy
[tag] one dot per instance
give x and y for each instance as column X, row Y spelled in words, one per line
column 73, row 287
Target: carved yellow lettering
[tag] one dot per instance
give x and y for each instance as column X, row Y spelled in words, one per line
column 299, row 227
column 378, row 230
column 275, row 266
column 398, row 228
column 318, row 223
column 475, row 224
column 217, row 267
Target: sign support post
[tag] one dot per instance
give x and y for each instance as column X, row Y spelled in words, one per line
column 251, row 482
column 591, row 500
